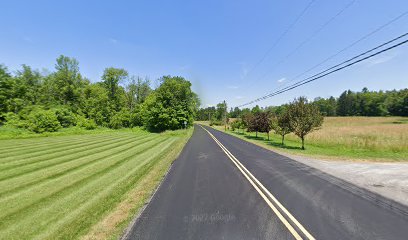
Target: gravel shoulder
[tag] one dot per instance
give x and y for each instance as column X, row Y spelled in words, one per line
column 387, row 179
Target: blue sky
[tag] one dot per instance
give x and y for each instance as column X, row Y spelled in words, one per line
column 215, row 44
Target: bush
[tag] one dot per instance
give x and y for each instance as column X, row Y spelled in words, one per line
column 216, row 122
column 115, row 122
column 65, row 117
column 237, row 124
column 136, row 118
column 88, row 124
column 14, row 120
column 43, row 121
column 125, row 118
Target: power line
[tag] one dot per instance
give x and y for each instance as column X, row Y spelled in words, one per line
column 321, row 28
column 346, row 48
column 279, row 39
column 336, row 68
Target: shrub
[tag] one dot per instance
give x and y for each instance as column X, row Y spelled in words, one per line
column 115, row 122
column 88, row 124
column 43, row 121
column 136, row 117
column 14, row 120
column 136, row 120
column 216, row 122
column 236, row 125
column 65, row 117
column 125, row 118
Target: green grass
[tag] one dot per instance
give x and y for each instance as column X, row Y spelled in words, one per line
column 353, row 138
column 59, row 187
column 8, row 132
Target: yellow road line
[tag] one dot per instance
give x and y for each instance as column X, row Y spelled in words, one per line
column 248, row 175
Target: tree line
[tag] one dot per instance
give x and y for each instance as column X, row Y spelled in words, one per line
column 349, row 103
column 299, row 117
column 44, row 102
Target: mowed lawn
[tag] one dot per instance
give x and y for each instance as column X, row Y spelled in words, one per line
column 62, row 187
column 364, row 138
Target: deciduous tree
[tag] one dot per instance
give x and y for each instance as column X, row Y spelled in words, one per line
column 281, row 125
column 304, row 118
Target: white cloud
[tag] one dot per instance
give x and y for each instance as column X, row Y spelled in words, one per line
column 281, row 80
column 239, row 97
column 210, row 105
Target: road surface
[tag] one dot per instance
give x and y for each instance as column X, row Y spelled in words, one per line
column 222, row 187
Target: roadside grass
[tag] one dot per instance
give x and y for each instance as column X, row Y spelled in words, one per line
column 355, row 138
column 8, row 132
column 81, row 186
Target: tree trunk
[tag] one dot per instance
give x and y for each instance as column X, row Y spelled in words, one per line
column 283, row 139
column 303, row 143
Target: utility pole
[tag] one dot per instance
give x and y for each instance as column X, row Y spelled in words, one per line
column 225, row 116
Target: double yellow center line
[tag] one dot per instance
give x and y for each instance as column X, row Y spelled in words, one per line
column 289, row 221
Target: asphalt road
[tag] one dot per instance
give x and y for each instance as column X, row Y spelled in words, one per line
column 236, row 190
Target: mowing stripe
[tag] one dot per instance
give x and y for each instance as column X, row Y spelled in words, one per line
column 31, row 153
column 50, row 158
column 66, row 161
column 91, row 209
column 42, row 179
column 56, row 152
column 41, row 142
column 48, row 142
column 38, row 140
column 10, row 144
column 42, row 186
column 51, row 162
column 13, row 213
column 47, row 150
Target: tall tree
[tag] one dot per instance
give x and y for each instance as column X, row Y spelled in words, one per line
column 29, row 81
column 137, row 91
column 304, row 118
column 111, row 78
column 172, row 105
column 67, row 81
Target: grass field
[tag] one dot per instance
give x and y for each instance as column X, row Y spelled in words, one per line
column 365, row 138
column 82, row 186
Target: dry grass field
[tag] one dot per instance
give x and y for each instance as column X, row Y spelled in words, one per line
column 373, row 133
column 365, row 138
